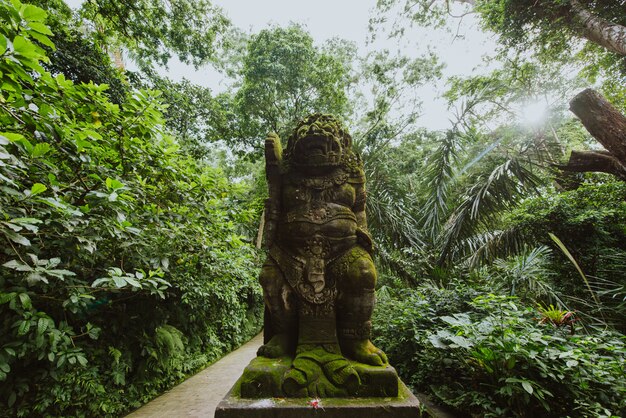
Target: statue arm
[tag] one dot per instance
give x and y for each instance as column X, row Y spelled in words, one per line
column 363, row 236
column 273, row 159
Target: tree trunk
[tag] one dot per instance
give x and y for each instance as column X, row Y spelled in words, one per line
column 603, row 121
column 608, row 126
column 600, row 31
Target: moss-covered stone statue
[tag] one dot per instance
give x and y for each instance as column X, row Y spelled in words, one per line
column 318, row 280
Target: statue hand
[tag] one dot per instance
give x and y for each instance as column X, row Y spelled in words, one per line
column 273, row 149
column 364, row 239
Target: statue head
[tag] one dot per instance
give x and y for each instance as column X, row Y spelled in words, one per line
column 318, row 141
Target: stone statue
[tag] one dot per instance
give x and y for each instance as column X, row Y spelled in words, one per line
column 319, row 278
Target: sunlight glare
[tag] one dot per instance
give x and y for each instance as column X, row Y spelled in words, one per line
column 534, row 113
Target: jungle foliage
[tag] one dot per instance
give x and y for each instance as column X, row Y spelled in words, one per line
column 491, row 355
column 129, row 204
column 123, row 264
column 516, row 272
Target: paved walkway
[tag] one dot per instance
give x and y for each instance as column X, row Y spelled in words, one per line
column 199, row 395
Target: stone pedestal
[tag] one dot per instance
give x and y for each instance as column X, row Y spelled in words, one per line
column 404, row 405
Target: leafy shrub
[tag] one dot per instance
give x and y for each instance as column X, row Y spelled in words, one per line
column 526, row 275
column 494, row 357
column 122, row 264
column 591, row 222
column 588, row 220
column 400, row 319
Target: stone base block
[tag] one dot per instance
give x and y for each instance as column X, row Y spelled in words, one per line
column 405, row 405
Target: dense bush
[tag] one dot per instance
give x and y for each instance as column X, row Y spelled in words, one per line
column 591, row 222
column 489, row 355
column 588, row 220
column 122, row 265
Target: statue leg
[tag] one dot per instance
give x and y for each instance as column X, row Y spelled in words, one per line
column 319, row 369
column 355, row 306
column 281, row 312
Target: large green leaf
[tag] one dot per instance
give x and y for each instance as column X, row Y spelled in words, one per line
column 17, row 238
column 37, row 188
column 33, row 13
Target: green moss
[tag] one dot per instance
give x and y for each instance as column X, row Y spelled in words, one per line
column 315, row 373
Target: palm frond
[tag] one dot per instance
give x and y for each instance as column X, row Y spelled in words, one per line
column 390, row 218
column 439, row 174
column 610, row 287
column 525, row 274
column 396, row 263
column 488, row 245
column 483, row 201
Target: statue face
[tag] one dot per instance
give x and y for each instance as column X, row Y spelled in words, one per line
column 318, row 150
column 318, row 141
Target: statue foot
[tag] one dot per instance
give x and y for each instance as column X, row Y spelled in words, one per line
column 363, row 351
column 280, row 345
column 320, row 371
column 342, row 374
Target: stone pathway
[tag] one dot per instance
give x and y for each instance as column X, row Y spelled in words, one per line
column 199, row 395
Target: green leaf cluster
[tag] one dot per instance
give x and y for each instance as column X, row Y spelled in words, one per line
column 122, row 266
column 591, row 223
column 489, row 355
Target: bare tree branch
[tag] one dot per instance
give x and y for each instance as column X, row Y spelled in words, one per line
column 594, row 161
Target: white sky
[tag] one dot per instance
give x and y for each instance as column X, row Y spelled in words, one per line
column 348, row 19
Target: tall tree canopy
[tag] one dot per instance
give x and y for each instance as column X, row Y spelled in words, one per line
column 154, row 29
column 546, row 23
column 285, row 77
column 554, row 30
